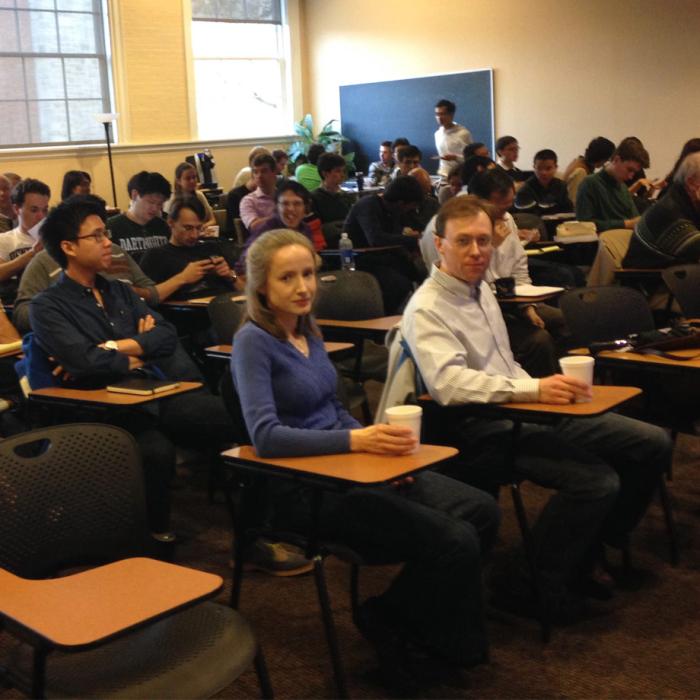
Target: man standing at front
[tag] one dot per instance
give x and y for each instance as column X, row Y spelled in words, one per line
column 604, row 469
column 450, row 138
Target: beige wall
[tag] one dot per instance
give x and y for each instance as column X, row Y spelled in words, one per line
column 564, row 70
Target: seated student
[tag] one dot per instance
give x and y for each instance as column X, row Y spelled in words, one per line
column 408, row 158
column 307, row 173
column 395, row 145
column 328, row 201
column 99, row 332
column 439, row 527
column 75, row 182
column 604, row 469
column 544, row 193
column 8, row 218
column 690, row 146
column 201, row 260
column 378, row 220
column 260, row 203
column 669, row 232
column 30, row 200
column 142, row 226
column 454, row 184
column 427, row 209
column 244, row 175
column 380, row 171
column 185, row 185
column 281, row 160
column 476, row 149
column 507, row 150
column 597, row 153
column 292, row 203
column 603, row 197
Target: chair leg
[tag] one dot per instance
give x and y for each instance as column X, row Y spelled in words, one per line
column 355, row 590
column 39, row 672
column 329, row 625
column 674, row 552
column 266, row 691
column 545, row 622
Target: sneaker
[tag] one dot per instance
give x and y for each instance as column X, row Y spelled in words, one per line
column 276, row 559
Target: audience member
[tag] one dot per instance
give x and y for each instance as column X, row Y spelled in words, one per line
column 260, row 203
column 395, row 145
column 440, row 528
column 328, row 201
column 307, row 173
column 669, row 232
column 408, row 157
column 476, row 149
column 472, row 166
column 14, row 179
column 597, row 153
column 195, row 265
column 603, row 197
column 99, row 331
column 380, row 171
column 281, row 159
column 8, row 217
column 30, row 200
column 244, row 175
column 454, row 184
column 604, row 469
column 691, row 146
column 142, row 226
column 450, row 138
column 292, row 204
column 75, row 182
column 427, row 209
column 543, row 192
column 185, row 185
column 507, row 150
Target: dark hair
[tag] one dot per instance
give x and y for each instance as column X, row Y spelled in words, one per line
column 504, row 142
column 191, row 203
column 148, row 183
column 461, row 207
column 472, row 166
column 408, row 152
column 401, row 141
column 545, row 154
column 316, row 150
column 278, row 154
column 485, row 184
column 691, row 146
column 179, row 170
column 297, row 188
column 28, row 186
column 265, row 159
column 632, row 149
column 449, row 106
column 328, row 162
column 471, row 148
column 386, row 144
column 64, row 221
column 404, row 189
column 598, row 150
column 455, row 171
column 71, row 180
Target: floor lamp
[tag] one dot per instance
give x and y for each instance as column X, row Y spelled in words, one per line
column 107, row 118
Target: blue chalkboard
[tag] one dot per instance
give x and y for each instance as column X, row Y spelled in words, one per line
column 374, row 112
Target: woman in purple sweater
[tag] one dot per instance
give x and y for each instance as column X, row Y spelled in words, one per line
column 439, row 527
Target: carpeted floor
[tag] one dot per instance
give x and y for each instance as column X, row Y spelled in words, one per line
column 646, row 647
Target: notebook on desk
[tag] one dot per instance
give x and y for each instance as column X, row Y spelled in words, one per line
column 142, row 386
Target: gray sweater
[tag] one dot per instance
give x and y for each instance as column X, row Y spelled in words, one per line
column 43, row 271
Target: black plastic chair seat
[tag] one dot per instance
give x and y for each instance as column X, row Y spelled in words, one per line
column 193, row 654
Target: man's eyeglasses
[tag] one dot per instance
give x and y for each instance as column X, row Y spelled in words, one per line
column 97, row 236
column 191, row 228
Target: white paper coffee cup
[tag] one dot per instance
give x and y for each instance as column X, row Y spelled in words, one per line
column 580, row 367
column 406, row 415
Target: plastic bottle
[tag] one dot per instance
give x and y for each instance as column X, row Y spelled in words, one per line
column 347, row 257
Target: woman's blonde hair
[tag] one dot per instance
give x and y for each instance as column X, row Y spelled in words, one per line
column 258, row 262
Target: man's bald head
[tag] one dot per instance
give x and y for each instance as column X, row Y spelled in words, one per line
column 423, row 178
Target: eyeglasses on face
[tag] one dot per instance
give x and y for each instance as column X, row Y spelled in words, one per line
column 97, row 236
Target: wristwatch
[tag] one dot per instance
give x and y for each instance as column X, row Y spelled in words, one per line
column 111, row 345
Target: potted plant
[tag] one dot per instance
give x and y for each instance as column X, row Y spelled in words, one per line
column 328, row 137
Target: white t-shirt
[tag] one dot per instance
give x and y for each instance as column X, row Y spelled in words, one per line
column 13, row 243
column 451, row 141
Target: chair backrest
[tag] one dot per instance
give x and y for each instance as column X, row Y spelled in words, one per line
column 220, row 216
column 225, row 315
column 240, row 231
column 347, row 295
column 70, row 494
column 684, row 283
column 605, row 313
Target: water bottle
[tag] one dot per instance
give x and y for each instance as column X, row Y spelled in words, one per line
column 347, row 257
column 360, row 179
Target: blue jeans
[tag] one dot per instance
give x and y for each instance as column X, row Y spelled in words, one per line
column 440, row 528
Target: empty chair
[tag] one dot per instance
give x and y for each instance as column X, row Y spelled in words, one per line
column 684, row 283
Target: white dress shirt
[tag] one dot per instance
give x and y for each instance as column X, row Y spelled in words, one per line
column 460, row 343
column 451, row 141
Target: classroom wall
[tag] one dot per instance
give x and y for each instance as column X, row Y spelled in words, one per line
column 564, row 70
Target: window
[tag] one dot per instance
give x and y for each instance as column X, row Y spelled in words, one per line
column 241, row 68
column 53, row 71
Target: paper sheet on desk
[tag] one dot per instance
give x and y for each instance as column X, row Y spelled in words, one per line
column 530, row 290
